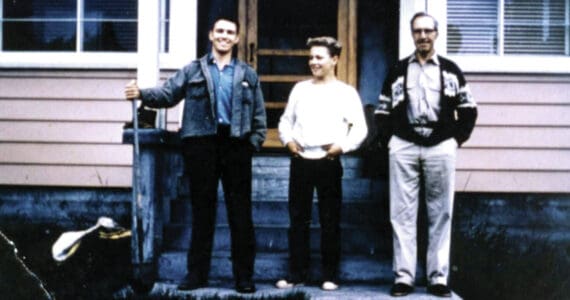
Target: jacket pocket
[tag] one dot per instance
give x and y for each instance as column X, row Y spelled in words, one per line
column 248, row 92
column 197, row 89
column 248, row 97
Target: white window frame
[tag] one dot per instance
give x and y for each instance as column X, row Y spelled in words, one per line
column 182, row 46
column 469, row 62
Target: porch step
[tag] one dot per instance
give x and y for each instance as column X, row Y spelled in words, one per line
column 276, row 188
column 365, row 229
column 272, row 266
column 365, row 213
column 225, row 290
column 274, row 238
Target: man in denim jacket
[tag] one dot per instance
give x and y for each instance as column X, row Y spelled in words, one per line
column 223, row 122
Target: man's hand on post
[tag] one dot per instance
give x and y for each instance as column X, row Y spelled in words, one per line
column 132, row 91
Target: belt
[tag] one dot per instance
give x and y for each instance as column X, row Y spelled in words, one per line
column 427, row 125
column 223, row 130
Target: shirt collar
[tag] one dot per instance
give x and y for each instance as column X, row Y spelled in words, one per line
column 433, row 60
column 212, row 60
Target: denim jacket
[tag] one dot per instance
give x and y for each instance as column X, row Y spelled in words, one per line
column 194, row 84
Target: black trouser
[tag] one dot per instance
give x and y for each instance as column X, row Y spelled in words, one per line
column 209, row 159
column 306, row 175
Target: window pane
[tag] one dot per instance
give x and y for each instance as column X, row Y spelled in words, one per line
column 283, row 65
column 38, row 36
column 110, row 25
column 53, row 9
column 165, row 30
column 110, row 36
column 472, row 26
column 111, row 9
column 535, row 27
column 37, row 25
column 279, row 30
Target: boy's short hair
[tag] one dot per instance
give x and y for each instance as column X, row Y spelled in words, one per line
column 231, row 19
column 330, row 43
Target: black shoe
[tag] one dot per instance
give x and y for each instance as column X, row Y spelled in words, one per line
column 440, row 290
column 192, row 284
column 245, row 286
column 401, row 289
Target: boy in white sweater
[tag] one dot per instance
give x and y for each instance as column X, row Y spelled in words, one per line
column 323, row 119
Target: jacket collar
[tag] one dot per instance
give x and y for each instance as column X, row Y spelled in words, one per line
column 434, row 59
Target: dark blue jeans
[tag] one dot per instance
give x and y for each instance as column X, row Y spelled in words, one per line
column 325, row 176
column 209, row 159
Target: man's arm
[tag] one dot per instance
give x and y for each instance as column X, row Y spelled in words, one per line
column 383, row 111
column 169, row 94
column 466, row 115
column 286, row 123
column 356, row 123
column 466, row 112
column 259, row 119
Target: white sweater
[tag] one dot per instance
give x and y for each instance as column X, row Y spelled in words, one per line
column 323, row 114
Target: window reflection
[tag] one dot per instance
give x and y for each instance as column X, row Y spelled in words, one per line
column 51, row 25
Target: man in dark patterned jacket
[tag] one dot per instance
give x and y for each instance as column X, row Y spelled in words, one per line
column 425, row 113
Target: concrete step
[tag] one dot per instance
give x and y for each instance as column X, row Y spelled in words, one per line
column 274, row 238
column 269, row 188
column 269, row 267
column 224, row 290
column 276, row 212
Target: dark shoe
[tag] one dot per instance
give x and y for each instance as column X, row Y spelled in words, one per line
column 245, row 287
column 440, row 290
column 192, row 284
column 401, row 289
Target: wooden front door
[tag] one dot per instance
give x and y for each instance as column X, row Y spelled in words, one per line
column 273, row 41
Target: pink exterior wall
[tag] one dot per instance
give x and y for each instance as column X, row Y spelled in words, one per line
column 64, row 128
column 522, row 139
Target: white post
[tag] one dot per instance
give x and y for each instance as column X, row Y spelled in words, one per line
column 148, row 47
column 183, row 30
column 407, row 10
column 438, row 9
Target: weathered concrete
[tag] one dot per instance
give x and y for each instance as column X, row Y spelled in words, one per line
column 224, row 291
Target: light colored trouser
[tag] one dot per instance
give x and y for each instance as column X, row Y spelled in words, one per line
column 408, row 162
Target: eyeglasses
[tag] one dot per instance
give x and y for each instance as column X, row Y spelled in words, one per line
column 424, row 30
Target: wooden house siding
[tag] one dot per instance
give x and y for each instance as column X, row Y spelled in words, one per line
column 64, row 128
column 522, row 139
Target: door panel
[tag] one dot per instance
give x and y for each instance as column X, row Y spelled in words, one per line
column 274, row 43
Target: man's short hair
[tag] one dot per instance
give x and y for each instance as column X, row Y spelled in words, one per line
column 231, row 19
column 423, row 14
column 330, row 43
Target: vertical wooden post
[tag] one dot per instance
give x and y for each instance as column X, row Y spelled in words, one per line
column 242, row 45
column 148, row 48
column 144, row 203
column 347, row 35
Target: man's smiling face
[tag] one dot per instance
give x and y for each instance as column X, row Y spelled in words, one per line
column 424, row 34
column 224, row 36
